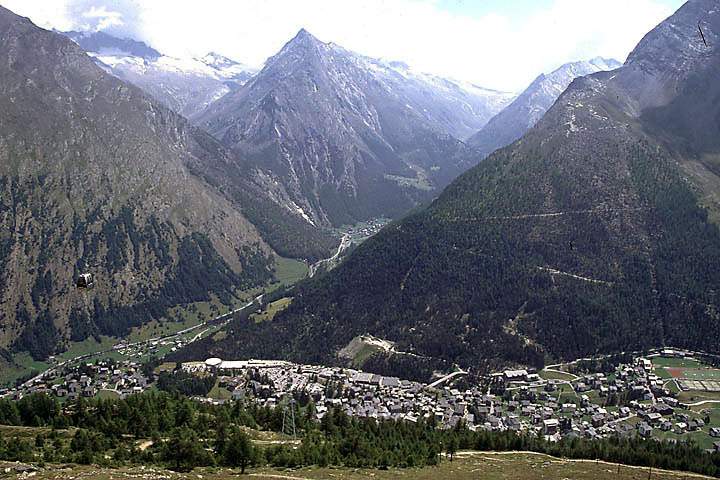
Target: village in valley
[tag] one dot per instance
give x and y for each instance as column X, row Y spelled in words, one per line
column 667, row 395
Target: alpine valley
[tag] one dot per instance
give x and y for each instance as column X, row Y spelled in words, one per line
column 112, row 179
column 339, row 266
column 596, row 232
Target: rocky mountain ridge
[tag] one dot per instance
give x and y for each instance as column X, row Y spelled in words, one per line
column 529, row 107
column 344, row 137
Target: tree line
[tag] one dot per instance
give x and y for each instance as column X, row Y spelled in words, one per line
column 179, row 433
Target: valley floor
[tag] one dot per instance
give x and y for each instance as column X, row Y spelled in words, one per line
column 466, row 465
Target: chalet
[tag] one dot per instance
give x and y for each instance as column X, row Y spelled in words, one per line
column 551, row 426
column 598, row 420
column 653, row 418
column 513, row 422
column 696, row 424
column 644, row 430
column 663, row 409
column 514, row 376
column 494, row 422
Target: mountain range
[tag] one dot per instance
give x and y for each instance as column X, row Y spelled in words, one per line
column 346, row 137
column 186, row 85
column 529, row 107
column 595, row 232
column 376, row 140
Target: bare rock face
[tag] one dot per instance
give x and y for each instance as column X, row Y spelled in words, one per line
column 529, row 107
column 596, row 232
column 346, row 137
column 98, row 177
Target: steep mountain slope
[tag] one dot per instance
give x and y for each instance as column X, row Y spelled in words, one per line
column 344, row 137
column 529, row 107
column 457, row 108
column 587, row 235
column 97, row 177
column 187, row 86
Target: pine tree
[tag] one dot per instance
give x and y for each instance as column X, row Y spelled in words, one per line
column 239, row 451
column 452, row 446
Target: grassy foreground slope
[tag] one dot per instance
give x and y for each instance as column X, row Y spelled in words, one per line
column 467, row 465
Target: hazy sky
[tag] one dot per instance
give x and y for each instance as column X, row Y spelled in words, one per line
column 500, row 44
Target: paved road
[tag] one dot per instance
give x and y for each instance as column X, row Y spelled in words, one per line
column 446, row 378
column 704, row 402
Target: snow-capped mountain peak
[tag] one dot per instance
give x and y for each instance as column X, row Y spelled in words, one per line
column 523, row 113
column 218, row 61
column 187, row 85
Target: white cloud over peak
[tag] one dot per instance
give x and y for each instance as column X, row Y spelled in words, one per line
column 493, row 50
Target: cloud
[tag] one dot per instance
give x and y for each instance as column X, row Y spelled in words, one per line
column 123, row 18
column 500, row 51
column 103, row 19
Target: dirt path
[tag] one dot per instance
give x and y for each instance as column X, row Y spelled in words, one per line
column 145, row 445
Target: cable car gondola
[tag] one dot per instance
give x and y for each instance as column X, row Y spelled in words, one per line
column 85, row 281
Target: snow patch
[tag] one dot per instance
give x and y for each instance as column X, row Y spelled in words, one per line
column 302, row 213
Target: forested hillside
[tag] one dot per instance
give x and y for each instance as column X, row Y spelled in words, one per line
column 588, row 235
column 96, row 177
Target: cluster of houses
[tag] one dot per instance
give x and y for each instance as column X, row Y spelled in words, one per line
column 88, row 380
column 631, row 400
column 366, row 230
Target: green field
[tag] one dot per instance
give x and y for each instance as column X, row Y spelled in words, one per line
column 219, row 393
column 466, row 466
column 555, row 375
column 289, row 271
column 271, row 310
column 675, row 362
column 107, row 395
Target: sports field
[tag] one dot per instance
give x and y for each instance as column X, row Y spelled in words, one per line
column 695, row 373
